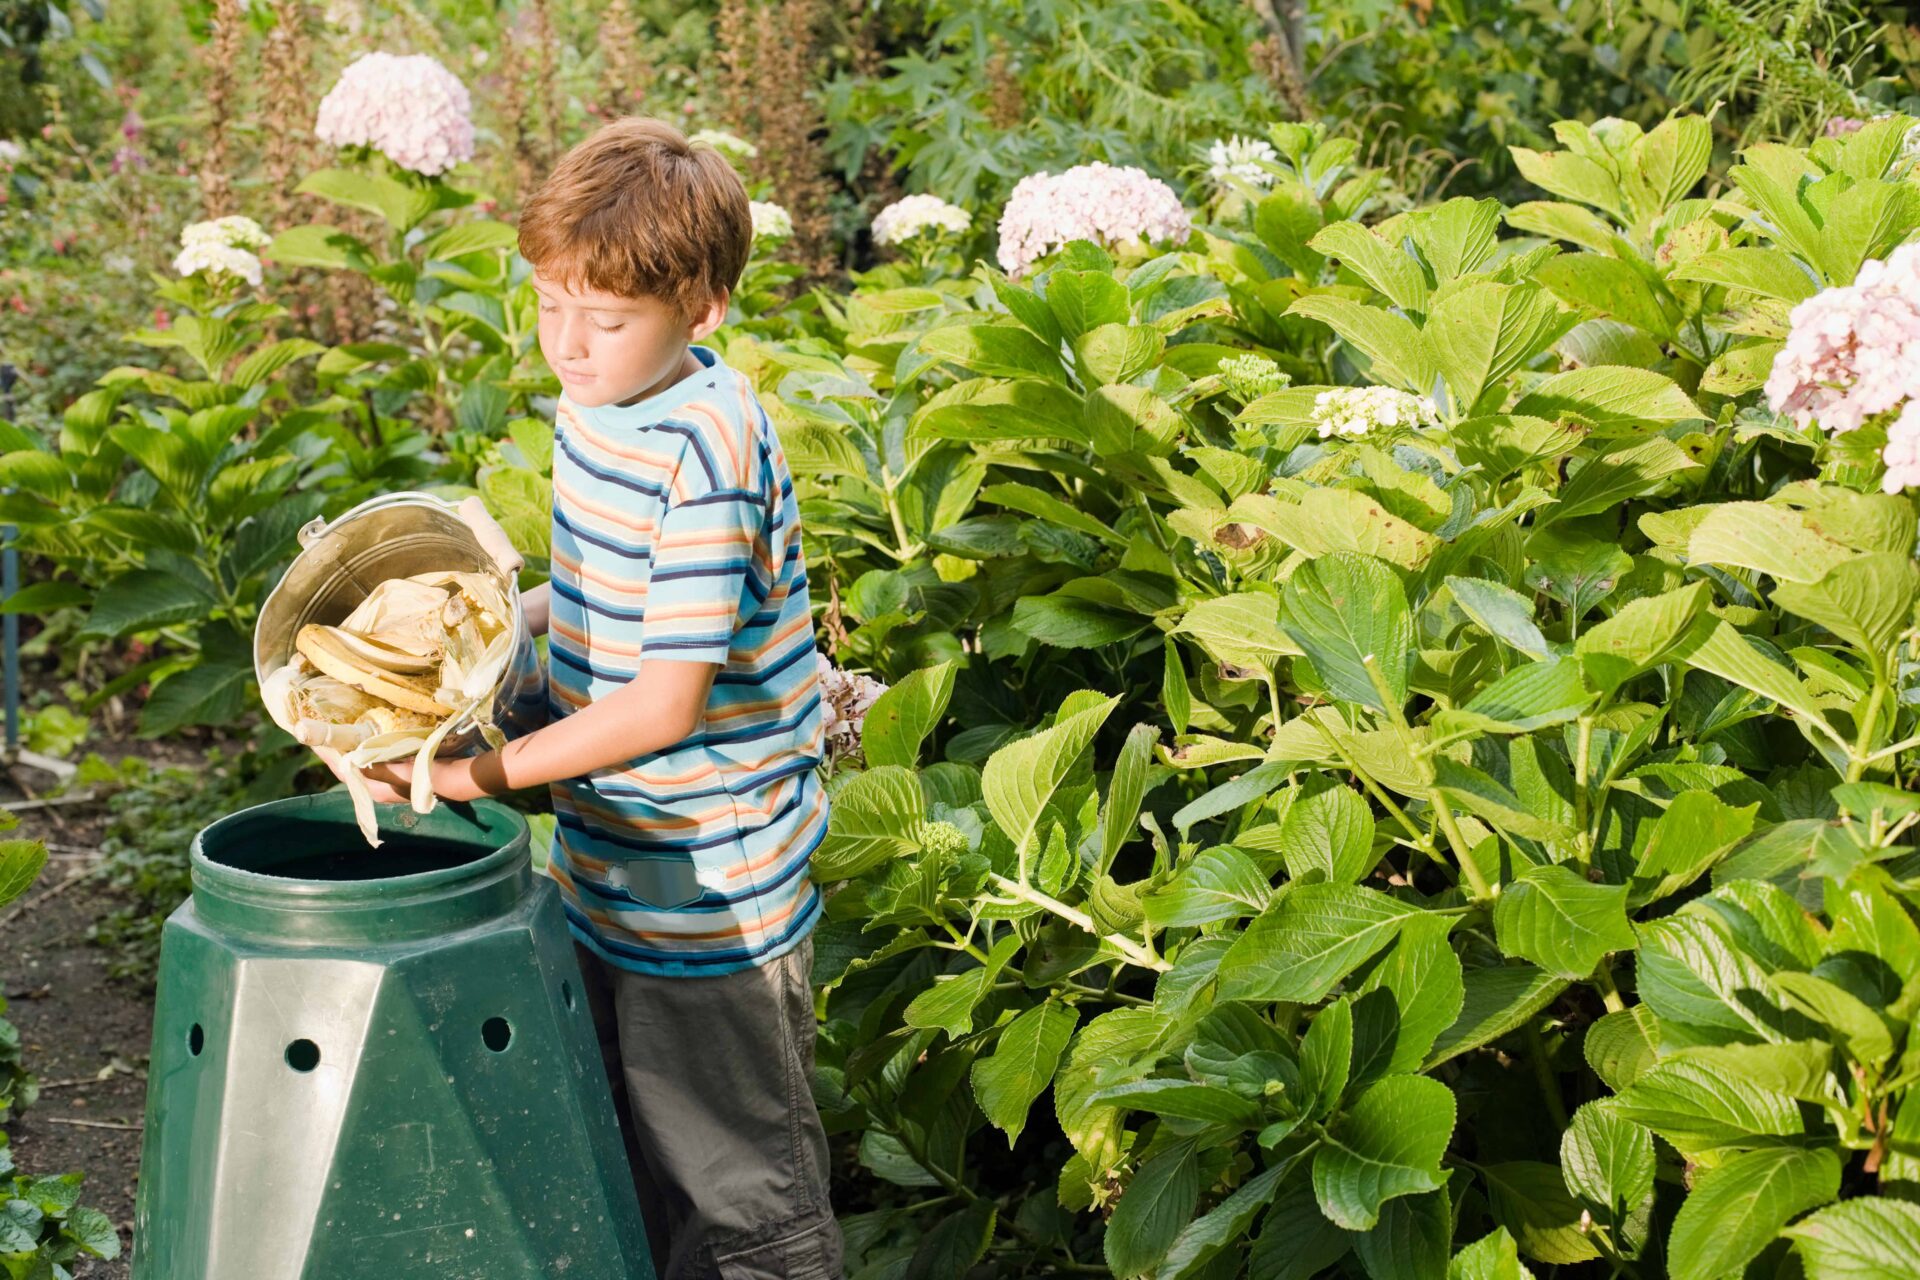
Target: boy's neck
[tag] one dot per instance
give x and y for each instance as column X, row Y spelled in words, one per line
column 688, row 365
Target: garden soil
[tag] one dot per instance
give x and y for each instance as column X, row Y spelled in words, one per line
column 84, row 1034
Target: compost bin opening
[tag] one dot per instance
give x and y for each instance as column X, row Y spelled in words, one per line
column 317, row 846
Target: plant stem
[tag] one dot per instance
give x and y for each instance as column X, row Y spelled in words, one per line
column 1133, row 951
column 1859, row 754
column 1609, row 993
column 1543, row 1072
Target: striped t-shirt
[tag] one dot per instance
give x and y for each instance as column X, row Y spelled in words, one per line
column 676, row 536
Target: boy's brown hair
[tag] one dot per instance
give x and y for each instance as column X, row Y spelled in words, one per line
column 638, row 211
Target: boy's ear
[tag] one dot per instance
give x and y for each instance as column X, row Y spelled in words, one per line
column 710, row 317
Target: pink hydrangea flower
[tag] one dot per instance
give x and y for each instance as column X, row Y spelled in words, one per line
column 1902, row 454
column 1109, row 204
column 1853, row 351
column 411, row 109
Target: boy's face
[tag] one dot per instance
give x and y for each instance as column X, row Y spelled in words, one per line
column 609, row 349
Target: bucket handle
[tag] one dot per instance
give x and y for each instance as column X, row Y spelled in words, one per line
column 316, row 528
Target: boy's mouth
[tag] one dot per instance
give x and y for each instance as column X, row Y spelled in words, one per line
column 573, row 379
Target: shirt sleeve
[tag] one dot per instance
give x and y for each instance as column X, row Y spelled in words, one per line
column 714, row 513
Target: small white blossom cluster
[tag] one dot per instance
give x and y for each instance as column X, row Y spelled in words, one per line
column 11, row 152
column 1248, row 377
column 409, row 108
column 222, row 246
column 1242, row 158
column 906, row 218
column 730, row 145
column 845, row 699
column 1853, row 352
column 1355, row 411
column 1109, row 204
column 770, row 221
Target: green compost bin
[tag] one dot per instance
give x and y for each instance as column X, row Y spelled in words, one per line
column 377, row 1063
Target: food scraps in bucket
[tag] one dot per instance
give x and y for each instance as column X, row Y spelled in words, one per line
column 418, row 657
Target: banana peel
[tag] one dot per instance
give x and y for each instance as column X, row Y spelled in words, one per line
column 418, row 656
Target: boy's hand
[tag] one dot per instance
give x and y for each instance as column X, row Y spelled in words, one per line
column 474, row 514
column 452, row 780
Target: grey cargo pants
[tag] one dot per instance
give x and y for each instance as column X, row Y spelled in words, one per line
column 712, row 1080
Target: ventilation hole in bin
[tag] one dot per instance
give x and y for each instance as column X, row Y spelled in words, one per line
column 566, row 994
column 497, row 1034
column 196, row 1040
column 303, row 1055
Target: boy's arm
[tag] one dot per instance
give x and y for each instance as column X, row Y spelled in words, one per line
column 534, row 604
column 660, row 707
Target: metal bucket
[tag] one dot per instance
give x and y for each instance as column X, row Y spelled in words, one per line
column 394, row 536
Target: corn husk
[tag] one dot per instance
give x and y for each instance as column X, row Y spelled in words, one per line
column 432, row 641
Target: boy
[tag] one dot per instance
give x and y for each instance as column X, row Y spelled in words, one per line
column 686, row 707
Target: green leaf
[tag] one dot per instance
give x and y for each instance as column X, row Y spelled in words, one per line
column 1771, row 273
column 1766, row 537
column 271, row 359
column 1387, row 1143
column 1524, row 699
column 400, row 205
column 1021, row 778
column 1698, row 1109
column 948, row 1004
column 1385, row 268
column 1311, row 938
column 1420, row 979
column 1866, row 1238
column 1007, row 1081
column 998, row 351
column 1605, row 482
column 93, row 1231
column 1328, row 836
column 1555, row 918
column 1153, row 1209
column 1221, row 883
column 1852, row 1020
column 875, row 818
column 482, row 235
column 1222, row 1227
column 1737, row 1209
column 45, row 597
column 1609, row 286
column 1069, row 620
column 1497, row 1000
column 1296, row 1241
column 213, row 691
column 984, row 409
column 955, row 1244
column 1726, row 653
column 1125, row 790
column 1243, row 628
column 1695, row 832
column 1641, row 635
column 1866, row 600
column 1481, row 333
column 1037, row 502
column 1410, row 1240
column 1607, row 1162
column 1083, row 300
column 1326, row 1060
column 1530, row 1199
column 317, row 246
column 1501, row 612
column 1119, row 352
column 1390, row 342
column 20, row 864
column 1491, row 1257
column 1185, row 1100
column 143, row 599
column 1345, row 609
column 902, row 717
column 1611, row 397
column 1621, row 1045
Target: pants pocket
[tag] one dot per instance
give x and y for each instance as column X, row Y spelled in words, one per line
column 810, row 1253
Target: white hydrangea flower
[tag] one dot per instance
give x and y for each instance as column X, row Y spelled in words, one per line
column 233, row 231
column 411, row 109
column 1355, row 411
column 1241, row 158
column 770, row 221
column 906, row 218
column 120, row 264
column 217, row 259
column 730, row 145
column 845, row 699
column 11, row 152
column 1248, row 377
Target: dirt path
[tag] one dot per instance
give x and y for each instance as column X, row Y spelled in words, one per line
column 83, row 1034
